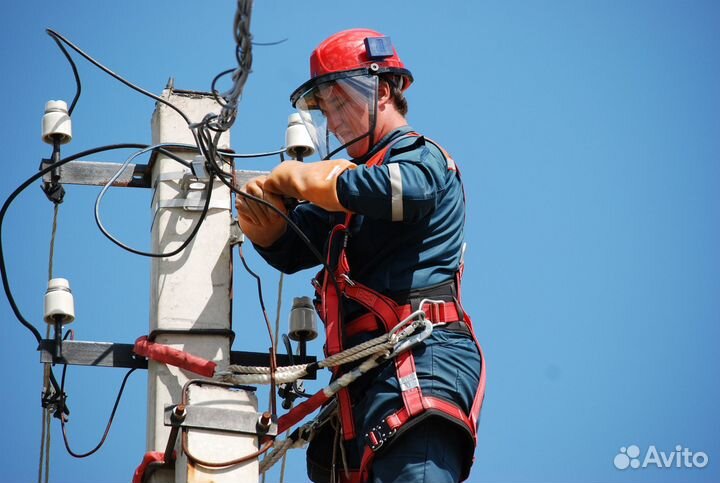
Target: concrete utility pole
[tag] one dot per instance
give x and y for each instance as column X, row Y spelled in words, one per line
column 190, row 306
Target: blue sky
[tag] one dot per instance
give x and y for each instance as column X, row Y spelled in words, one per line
column 588, row 138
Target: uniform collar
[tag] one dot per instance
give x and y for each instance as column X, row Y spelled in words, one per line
column 387, row 139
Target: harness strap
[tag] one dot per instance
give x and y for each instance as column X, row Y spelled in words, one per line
column 409, row 384
column 436, row 313
column 394, row 422
column 383, row 307
column 347, row 421
column 480, row 392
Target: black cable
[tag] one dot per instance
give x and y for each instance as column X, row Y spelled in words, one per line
column 214, row 91
column 9, row 201
column 269, row 44
column 112, row 74
column 213, row 165
column 203, row 149
column 263, row 202
column 294, row 227
column 330, row 273
column 273, row 342
column 185, row 243
column 107, row 427
column 253, row 155
column 78, row 84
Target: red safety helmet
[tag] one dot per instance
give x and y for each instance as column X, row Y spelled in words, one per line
column 350, row 61
column 353, row 52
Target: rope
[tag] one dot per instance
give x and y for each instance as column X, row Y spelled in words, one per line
column 282, row 447
column 237, row 374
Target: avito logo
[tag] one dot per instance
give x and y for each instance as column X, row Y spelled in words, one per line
column 629, row 457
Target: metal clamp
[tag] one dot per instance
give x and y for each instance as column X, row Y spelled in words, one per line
column 226, row 420
column 236, row 234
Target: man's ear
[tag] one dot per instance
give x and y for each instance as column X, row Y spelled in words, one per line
column 384, row 95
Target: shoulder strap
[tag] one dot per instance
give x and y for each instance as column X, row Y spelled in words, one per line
column 450, row 161
column 379, row 158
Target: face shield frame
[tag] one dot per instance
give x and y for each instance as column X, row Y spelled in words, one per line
column 358, row 86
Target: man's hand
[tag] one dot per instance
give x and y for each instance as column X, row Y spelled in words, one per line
column 314, row 182
column 260, row 223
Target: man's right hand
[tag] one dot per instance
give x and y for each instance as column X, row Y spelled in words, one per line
column 260, row 223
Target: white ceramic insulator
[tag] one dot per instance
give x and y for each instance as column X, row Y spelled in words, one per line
column 297, row 138
column 56, row 123
column 302, row 320
column 59, row 301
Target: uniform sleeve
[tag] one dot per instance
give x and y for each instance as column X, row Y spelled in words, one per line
column 289, row 253
column 404, row 188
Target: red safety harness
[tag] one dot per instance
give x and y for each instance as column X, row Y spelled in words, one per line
column 384, row 313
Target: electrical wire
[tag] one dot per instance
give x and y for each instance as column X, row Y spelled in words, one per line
column 253, row 155
column 46, row 418
column 298, row 231
column 211, row 464
column 214, row 91
column 269, row 44
column 45, row 425
column 107, row 427
column 185, row 243
column 194, row 128
column 243, row 54
column 273, row 340
column 112, row 74
column 78, row 84
column 8, row 202
column 210, row 157
column 56, row 208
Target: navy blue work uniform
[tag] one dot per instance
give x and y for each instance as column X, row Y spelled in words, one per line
column 405, row 242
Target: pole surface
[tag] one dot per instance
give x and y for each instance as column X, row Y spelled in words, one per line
column 192, row 290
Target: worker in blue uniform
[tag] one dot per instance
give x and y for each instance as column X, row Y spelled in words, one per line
column 390, row 220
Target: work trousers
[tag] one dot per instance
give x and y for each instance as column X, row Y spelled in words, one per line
column 432, row 449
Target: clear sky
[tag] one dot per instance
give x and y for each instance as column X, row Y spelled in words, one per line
column 588, row 134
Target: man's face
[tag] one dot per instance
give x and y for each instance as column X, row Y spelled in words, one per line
column 347, row 118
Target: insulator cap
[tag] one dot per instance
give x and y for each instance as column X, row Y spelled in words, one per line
column 59, row 302
column 297, row 138
column 302, row 320
column 56, row 123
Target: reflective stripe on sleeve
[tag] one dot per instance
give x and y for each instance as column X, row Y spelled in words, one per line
column 396, row 200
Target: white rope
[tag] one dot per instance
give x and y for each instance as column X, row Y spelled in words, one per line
column 282, row 447
column 400, row 338
column 237, row 374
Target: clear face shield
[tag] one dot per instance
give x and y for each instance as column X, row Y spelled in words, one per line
column 340, row 114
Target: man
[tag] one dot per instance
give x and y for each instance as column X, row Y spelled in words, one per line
column 390, row 222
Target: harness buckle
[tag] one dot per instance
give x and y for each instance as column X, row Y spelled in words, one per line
column 378, row 435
